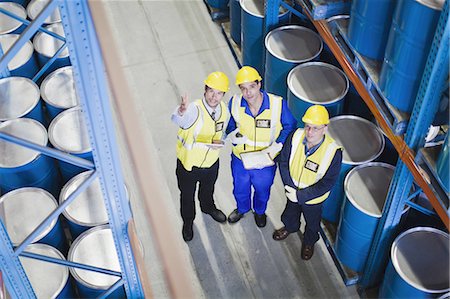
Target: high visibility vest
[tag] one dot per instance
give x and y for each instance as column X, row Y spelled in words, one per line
column 191, row 145
column 306, row 171
column 262, row 130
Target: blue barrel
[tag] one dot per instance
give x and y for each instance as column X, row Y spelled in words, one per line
column 88, row 209
column 235, row 21
column 46, row 46
column 418, row 265
column 8, row 24
column 24, row 63
column 58, row 91
column 409, row 43
column 314, row 83
column 22, row 167
column 362, row 142
column 24, row 209
column 219, row 4
column 442, row 165
column 366, row 188
column 20, row 97
column 36, row 6
column 252, row 26
column 287, row 47
column 48, row 280
column 68, row 133
column 368, row 30
column 95, row 247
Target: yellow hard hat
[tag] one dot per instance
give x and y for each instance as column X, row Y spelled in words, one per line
column 247, row 74
column 316, row 115
column 217, row 80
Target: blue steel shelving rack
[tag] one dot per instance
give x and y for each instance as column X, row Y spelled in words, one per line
column 92, row 90
column 435, row 75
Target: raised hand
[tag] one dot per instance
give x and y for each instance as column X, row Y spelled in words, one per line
column 183, row 105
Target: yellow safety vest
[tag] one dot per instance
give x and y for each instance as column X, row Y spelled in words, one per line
column 191, row 145
column 306, row 172
column 262, row 130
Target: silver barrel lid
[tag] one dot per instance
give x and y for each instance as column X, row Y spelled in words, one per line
column 68, row 132
column 13, row 155
column 18, row 96
column 47, row 45
column 362, row 140
column 36, row 6
column 88, row 208
column 366, row 187
column 420, row 256
column 95, row 247
column 318, row 83
column 8, row 24
column 55, row 276
column 22, row 210
column 294, row 43
column 58, row 89
column 256, row 7
column 20, row 58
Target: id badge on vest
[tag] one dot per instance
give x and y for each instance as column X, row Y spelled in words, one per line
column 310, row 165
column 263, row 123
column 219, row 126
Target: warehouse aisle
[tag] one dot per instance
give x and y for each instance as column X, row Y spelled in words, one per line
column 167, row 48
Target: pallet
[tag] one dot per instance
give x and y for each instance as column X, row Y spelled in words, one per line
column 324, row 9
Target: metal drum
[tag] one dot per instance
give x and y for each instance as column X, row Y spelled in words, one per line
column 46, row 46
column 314, row 83
column 368, row 30
column 36, row 6
column 8, row 24
column 88, row 209
column 24, row 63
column 49, row 280
column 58, row 91
column 442, row 165
column 362, row 142
column 418, row 266
column 366, row 188
column 219, row 4
column 252, row 32
column 23, row 209
column 407, row 49
column 95, row 247
column 68, row 133
column 20, row 97
column 22, row 167
column 287, row 47
column 235, row 21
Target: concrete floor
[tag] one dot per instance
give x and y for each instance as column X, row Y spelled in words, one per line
column 167, row 48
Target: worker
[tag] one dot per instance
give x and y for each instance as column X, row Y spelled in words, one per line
column 201, row 131
column 259, row 122
column 309, row 163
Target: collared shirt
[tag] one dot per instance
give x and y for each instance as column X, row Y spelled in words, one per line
column 190, row 115
column 311, row 151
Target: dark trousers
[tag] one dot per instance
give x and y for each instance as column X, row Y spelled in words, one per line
column 313, row 215
column 187, row 183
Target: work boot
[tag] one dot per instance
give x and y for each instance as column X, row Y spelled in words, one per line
column 280, row 234
column 218, row 215
column 260, row 220
column 188, row 232
column 235, row 216
column 307, row 252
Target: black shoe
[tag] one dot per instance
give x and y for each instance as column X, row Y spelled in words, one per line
column 235, row 216
column 260, row 220
column 307, row 252
column 218, row 215
column 188, row 233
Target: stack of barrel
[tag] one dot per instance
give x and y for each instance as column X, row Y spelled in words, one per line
column 39, row 103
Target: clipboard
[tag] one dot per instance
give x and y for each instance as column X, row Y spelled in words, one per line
column 256, row 160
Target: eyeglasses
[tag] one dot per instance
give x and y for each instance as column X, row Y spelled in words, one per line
column 313, row 129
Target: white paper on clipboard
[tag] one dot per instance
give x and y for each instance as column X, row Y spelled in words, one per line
column 256, row 160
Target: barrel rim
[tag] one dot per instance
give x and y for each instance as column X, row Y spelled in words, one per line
column 20, row 8
column 346, row 187
column 274, row 31
column 324, row 64
column 29, row 49
column 49, row 195
column 63, row 196
column 32, row 13
column 75, row 245
column 38, row 35
column 47, row 79
column 32, row 85
column 255, row 15
column 432, row 4
column 337, row 17
column 397, row 266
column 382, row 140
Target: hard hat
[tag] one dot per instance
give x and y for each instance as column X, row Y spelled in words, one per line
column 247, row 74
column 217, row 80
column 316, row 115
